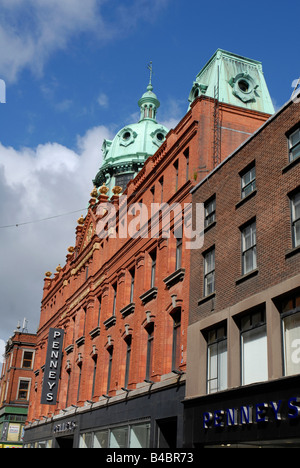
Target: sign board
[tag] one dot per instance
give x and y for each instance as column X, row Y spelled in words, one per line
column 52, row 366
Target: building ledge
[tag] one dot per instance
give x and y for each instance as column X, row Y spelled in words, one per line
column 129, row 309
column 290, row 165
column 206, row 298
column 247, row 276
column 110, row 322
column 69, row 349
column 175, row 277
column 95, row 332
column 244, row 200
column 149, row 295
column 293, row 251
column 80, row 341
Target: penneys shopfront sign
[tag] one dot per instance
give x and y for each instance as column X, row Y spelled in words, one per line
column 52, row 366
column 265, row 412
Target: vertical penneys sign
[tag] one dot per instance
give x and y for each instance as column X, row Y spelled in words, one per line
column 52, row 366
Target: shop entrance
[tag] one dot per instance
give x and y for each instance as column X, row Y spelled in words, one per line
column 65, row 442
column 167, row 433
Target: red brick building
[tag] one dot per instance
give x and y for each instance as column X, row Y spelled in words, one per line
column 243, row 370
column 122, row 301
column 16, row 381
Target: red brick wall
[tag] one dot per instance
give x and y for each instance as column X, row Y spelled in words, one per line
column 69, row 293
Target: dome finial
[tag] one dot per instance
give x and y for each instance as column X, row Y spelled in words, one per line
column 151, row 73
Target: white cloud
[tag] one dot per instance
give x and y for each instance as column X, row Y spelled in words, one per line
column 102, row 100
column 32, row 30
column 47, row 181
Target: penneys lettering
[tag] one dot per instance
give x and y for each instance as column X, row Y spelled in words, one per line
column 249, row 414
column 52, row 366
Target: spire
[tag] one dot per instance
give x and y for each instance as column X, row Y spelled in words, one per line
column 149, row 102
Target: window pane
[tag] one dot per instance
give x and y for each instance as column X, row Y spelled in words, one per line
column 118, row 437
column 217, row 363
column 140, row 436
column 291, row 338
column 27, row 359
column 295, row 138
column 254, row 355
column 101, row 439
column 85, row 440
column 295, row 152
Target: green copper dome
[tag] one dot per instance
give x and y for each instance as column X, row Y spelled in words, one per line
column 126, row 154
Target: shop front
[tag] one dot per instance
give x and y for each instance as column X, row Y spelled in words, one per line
column 151, row 420
column 265, row 415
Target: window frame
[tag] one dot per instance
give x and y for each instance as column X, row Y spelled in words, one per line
column 208, row 273
column 253, row 326
column 252, row 248
column 210, row 215
column 251, row 183
column 294, row 221
column 291, row 146
column 32, row 359
column 220, row 331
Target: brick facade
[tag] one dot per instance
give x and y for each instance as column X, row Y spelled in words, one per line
column 80, row 297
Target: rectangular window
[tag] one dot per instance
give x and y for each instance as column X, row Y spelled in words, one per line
column 210, row 211
column 150, row 331
column 132, row 278
column 161, row 182
column 217, row 360
column 176, row 358
column 178, row 253
column 127, row 436
column 27, row 359
column 209, row 272
column 290, row 309
column 254, row 359
column 114, row 299
column 176, row 174
column 99, row 310
column 127, row 367
column 294, row 145
column 187, row 160
column 101, row 439
column 295, row 208
column 249, row 261
column 110, row 357
column 248, row 182
column 118, row 437
column 23, row 390
column 153, row 268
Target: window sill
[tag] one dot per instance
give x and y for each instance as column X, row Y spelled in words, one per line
column 69, row 349
column 290, row 165
column 245, row 199
column 209, row 226
column 149, row 295
column 175, row 277
column 293, row 251
column 80, row 341
column 95, row 332
column 206, row 298
column 129, row 309
column 110, row 322
column 247, row 276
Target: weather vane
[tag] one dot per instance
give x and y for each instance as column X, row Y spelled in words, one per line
column 151, row 72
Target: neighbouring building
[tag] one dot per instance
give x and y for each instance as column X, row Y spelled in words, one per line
column 114, row 318
column 15, row 385
column 243, row 354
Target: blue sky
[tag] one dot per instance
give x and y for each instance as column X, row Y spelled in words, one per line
column 74, row 72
